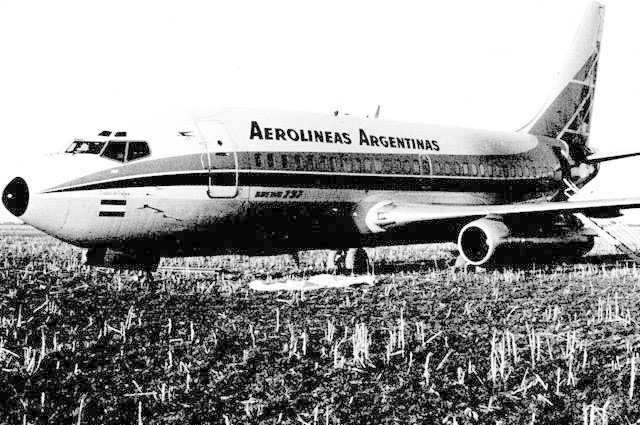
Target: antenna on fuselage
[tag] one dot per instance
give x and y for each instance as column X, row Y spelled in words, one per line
column 377, row 112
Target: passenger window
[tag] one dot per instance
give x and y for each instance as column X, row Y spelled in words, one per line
column 270, row 160
column 447, row 168
column 489, row 170
column 378, row 165
column 368, row 166
column 322, row 163
column 258, row 158
column 397, row 166
column 333, row 162
column 519, row 170
column 137, row 150
column 388, row 166
column 474, row 170
column 348, row 166
column 512, row 171
column 310, row 166
column 416, row 167
column 465, row 168
column 285, row 161
column 356, row 165
column 482, row 170
column 406, row 166
column 425, row 167
column 115, row 151
column 299, row 162
column 436, row 168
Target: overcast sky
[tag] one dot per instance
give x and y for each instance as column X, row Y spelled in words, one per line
column 72, row 68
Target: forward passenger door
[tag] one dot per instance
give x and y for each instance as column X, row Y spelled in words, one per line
column 220, row 159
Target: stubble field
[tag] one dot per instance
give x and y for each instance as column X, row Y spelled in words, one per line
column 554, row 343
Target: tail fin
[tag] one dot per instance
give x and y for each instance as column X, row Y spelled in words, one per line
column 567, row 112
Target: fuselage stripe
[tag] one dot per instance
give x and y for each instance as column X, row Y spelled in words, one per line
column 326, row 181
column 113, row 202
column 111, row 214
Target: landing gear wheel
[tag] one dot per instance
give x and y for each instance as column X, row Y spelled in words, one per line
column 336, row 261
column 357, row 261
column 295, row 256
column 145, row 277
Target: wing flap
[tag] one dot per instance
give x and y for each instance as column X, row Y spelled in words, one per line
column 389, row 215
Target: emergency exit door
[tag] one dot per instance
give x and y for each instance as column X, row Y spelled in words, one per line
column 220, row 159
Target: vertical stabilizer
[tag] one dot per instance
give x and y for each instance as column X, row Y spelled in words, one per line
column 567, row 112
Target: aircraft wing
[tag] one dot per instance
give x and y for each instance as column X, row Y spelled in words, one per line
column 388, row 215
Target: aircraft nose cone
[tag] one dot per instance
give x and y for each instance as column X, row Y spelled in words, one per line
column 15, row 196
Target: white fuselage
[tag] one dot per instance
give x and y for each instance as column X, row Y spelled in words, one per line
column 265, row 181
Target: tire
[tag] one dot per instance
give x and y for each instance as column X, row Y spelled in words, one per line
column 357, row 261
column 336, row 261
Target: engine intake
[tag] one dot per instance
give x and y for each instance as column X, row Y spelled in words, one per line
column 479, row 240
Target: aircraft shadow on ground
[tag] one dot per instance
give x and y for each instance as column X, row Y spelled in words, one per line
column 445, row 264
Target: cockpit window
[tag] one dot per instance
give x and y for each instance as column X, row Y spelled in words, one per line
column 129, row 151
column 121, row 151
column 80, row 146
column 137, row 150
column 115, row 151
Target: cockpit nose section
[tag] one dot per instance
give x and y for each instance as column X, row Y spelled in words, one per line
column 15, row 196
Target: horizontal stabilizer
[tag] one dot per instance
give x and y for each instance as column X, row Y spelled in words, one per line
column 609, row 156
column 389, row 215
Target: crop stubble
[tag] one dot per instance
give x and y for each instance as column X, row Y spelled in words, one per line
column 541, row 344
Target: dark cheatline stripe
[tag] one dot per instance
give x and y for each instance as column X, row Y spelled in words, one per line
column 111, row 214
column 113, row 202
column 199, row 179
column 313, row 162
column 330, row 181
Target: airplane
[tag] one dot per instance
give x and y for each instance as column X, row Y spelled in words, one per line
column 267, row 182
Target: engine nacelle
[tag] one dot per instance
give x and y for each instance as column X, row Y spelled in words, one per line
column 491, row 240
column 130, row 260
column 479, row 240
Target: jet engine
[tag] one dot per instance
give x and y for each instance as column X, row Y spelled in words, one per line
column 490, row 240
column 129, row 260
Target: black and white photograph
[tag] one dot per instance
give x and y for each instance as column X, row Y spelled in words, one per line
column 318, row 213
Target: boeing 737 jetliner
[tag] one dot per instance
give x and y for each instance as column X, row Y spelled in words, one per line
column 262, row 182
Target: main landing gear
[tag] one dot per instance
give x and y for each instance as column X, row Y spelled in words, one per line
column 353, row 260
column 146, row 280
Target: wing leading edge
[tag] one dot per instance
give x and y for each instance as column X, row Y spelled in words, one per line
column 390, row 215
